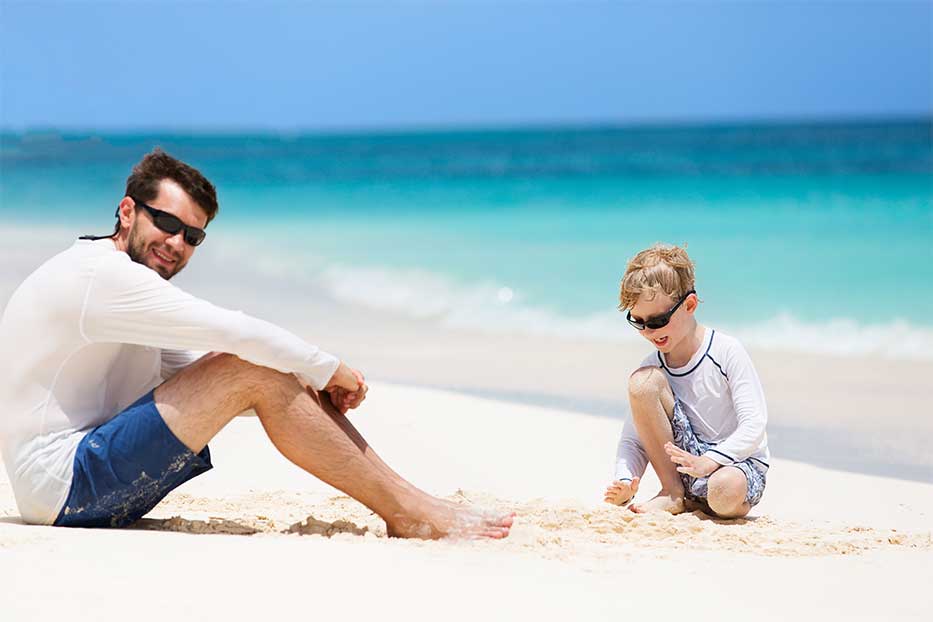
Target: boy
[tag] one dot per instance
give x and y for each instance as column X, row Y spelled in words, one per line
column 698, row 408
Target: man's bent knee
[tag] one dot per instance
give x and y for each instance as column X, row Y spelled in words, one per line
column 241, row 370
column 199, row 400
column 228, row 374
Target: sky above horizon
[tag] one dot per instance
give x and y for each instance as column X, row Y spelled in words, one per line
column 314, row 65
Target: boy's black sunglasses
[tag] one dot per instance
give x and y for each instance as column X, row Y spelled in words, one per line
column 171, row 224
column 658, row 321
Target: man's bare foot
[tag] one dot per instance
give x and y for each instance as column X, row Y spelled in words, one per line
column 444, row 519
column 664, row 502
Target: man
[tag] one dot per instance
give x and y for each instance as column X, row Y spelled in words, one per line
column 107, row 408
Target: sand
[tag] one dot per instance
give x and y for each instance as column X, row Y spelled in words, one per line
column 256, row 537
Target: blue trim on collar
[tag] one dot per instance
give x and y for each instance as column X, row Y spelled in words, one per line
column 705, row 355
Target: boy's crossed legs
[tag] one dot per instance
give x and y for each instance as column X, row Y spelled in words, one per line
column 653, row 405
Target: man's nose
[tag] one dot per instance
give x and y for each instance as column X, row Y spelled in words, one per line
column 177, row 242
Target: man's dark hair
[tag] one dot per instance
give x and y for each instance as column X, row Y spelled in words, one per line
column 143, row 182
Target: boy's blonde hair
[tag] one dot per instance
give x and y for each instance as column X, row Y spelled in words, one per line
column 662, row 268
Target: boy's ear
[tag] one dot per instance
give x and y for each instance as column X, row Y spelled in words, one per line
column 692, row 303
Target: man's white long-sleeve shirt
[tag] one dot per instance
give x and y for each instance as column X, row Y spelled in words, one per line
column 722, row 398
column 88, row 333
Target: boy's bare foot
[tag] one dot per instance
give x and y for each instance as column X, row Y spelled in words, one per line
column 442, row 519
column 664, row 502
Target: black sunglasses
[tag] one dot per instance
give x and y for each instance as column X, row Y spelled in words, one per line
column 658, row 321
column 171, row 224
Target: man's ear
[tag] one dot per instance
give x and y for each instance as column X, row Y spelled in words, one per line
column 126, row 212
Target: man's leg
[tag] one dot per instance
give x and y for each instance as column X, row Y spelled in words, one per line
column 652, row 403
column 201, row 399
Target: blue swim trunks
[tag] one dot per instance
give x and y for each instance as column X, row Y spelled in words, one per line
column 697, row 488
column 124, row 467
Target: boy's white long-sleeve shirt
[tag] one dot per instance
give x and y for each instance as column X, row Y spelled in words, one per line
column 723, row 399
column 91, row 331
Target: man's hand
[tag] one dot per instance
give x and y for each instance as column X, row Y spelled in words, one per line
column 347, row 388
column 622, row 491
column 695, row 466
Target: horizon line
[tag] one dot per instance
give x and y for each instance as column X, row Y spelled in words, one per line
column 469, row 127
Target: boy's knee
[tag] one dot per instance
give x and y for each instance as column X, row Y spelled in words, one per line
column 646, row 382
column 727, row 490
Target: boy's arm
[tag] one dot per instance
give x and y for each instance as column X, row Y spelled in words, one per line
column 129, row 303
column 748, row 399
column 631, row 459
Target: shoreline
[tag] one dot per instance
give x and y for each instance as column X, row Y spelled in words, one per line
column 852, row 413
column 798, row 444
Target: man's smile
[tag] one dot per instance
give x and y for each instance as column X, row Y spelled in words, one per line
column 163, row 258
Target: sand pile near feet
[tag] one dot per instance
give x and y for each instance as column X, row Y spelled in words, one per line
column 547, row 528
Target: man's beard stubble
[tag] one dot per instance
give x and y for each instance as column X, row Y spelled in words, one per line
column 136, row 249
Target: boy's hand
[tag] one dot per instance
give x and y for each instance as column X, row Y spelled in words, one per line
column 622, row 491
column 695, row 466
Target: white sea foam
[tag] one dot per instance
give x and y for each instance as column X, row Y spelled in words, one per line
column 897, row 339
column 488, row 305
column 501, row 308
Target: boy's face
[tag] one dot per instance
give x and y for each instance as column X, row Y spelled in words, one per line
column 680, row 326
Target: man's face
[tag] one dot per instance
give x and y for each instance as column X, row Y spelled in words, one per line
column 147, row 244
column 665, row 339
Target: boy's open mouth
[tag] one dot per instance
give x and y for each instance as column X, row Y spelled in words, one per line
column 660, row 342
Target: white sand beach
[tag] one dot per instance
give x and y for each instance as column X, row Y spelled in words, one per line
column 256, row 537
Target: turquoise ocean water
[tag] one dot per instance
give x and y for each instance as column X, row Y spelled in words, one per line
column 813, row 237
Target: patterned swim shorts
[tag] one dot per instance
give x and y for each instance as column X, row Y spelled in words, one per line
column 697, row 488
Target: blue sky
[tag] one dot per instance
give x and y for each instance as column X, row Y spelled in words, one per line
column 313, row 65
